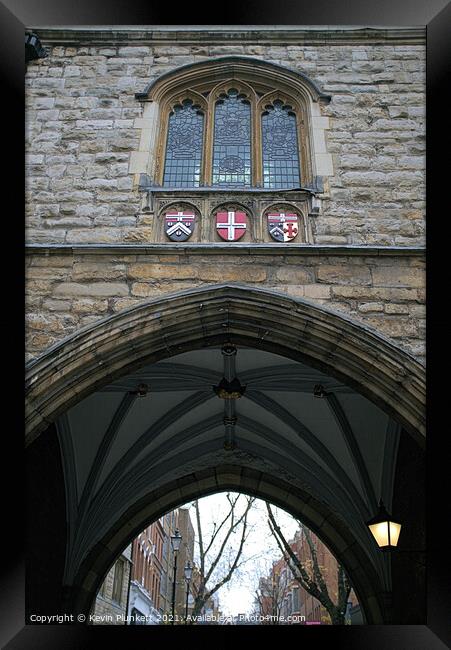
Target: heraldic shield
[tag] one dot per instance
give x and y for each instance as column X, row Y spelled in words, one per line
column 231, row 225
column 179, row 226
column 282, row 226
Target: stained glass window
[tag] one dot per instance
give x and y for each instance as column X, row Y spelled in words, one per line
column 280, row 147
column 232, row 141
column 184, row 146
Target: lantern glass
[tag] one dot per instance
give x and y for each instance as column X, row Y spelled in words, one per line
column 188, row 572
column 381, row 531
column 176, row 540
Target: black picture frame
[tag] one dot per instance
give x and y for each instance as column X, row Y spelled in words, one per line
column 15, row 15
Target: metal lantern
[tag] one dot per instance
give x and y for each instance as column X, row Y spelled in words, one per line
column 176, row 540
column 384, row 529
column 188, row 571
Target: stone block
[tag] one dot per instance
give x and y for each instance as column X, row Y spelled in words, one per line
column 231, row 273
column 394, row 327
column 124, row 303
column 161, row 271
column 56, row 305
column 371, row 306
column 295, row 275
column 143, row 289
column 396, row 309
column 92, row 289
column 317, row 291
column 97, row 271
column 387, row 276
column 344, row 274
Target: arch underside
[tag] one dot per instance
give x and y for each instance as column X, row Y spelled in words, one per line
column 128, row 459
column 193, row 319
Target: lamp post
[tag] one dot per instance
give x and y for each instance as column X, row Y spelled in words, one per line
column 384, row 529
column 176, row 540
column 188, row 576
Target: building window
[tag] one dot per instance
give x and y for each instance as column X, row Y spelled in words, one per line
column 118, row 581
column 232, row 137
column 232, row 140
column 184, row 145
column 280, row 146
column 232, row 122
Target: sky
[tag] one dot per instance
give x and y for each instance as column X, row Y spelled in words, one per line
column 260, row 549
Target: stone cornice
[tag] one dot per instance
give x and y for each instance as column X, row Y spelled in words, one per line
column 212, row 35
column 225, row 249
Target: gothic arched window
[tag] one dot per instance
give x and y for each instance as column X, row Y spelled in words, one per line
column 243, row 142
column 234, row 123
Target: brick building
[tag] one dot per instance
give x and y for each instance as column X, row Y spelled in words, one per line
column 185, row 555
column 281, row 595
column 147, row 579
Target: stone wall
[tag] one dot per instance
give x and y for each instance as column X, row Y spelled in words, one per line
column 83, row 124
column 67, row 291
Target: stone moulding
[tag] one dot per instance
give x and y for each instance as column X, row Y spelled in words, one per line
column 191, row 319
column 233, row 66
column 288, row 35
column 221, row 249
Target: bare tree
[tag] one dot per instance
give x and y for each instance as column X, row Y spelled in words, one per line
column 270, row 596
column 217, row 559
column 309, row 574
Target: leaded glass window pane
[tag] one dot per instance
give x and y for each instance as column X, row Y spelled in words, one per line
column 184, row 146
column 232, row 141
column 280, row 147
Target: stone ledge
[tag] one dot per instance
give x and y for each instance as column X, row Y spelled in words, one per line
column 224, row 249
column 312, row 35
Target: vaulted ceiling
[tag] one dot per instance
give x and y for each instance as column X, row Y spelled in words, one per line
column 165, row 421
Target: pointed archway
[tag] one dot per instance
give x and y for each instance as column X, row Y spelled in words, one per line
column 264, row 465
column 267, row 320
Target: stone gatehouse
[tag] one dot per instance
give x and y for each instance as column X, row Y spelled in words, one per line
column 199, row 198
column 97, row 119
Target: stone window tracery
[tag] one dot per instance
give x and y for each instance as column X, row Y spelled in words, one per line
column 232, row 123
column 243, row 141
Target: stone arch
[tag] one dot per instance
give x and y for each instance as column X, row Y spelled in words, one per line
column 233, row 66
column 196, row 318
column 315, row 515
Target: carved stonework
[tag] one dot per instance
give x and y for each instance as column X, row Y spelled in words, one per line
column 233, row 141
column 178, row 221
column 257, row 205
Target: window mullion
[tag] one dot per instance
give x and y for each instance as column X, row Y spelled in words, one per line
column 208, row 148
column 257, row 157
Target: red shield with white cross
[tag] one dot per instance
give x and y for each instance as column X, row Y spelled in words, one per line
column 179, row 225
column 231, row 225
column 283, row 226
